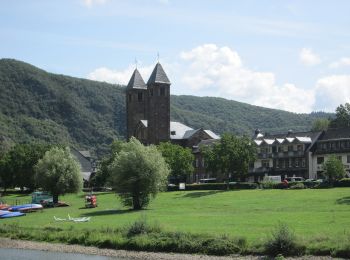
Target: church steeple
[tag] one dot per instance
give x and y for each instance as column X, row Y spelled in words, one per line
column 158, row 113
column 136, row 81
column 158, row 75
column 136, row 102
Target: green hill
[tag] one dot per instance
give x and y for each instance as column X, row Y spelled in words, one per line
column 37, row 105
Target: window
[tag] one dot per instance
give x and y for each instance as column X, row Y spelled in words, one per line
column 265, row 163
column 173, row 132
column 130, row 97
column 303, row 162
column 290, row 163
column 296, row 162
column 290, row 148
column 162, row 91
column 320, row 160
column 348, row 159
column 203, row 162
column 339, row 158
column 300, row 147
column 139, row 96
column 263, row 149
column 197, row 163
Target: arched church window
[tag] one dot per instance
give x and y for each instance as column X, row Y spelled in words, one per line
column 139, row 96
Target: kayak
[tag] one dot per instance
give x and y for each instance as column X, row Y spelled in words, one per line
column 4, row 206
column 9, row 214
column 26, row 207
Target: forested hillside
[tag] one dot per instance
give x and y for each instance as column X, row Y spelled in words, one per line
column 36, row 105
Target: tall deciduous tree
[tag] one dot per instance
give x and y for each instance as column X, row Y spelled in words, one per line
column 230, row 156
column 179, row 159
column 59, row 173
column 17, row 166
column 320, row 124
column 138, row 173
column 333, row 169
column 102, row 176
column 342, row 116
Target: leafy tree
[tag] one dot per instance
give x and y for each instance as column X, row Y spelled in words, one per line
column 342, row 116
column 17, row 166
column 333, row 169
column 320, row 124
column 102, row 175
column 58, row 172
column 230, row 156
column 179, row 159
column 138, row 172
column 6, row 174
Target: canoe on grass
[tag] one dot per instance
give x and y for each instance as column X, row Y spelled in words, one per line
column 26, row 207
column 9, row 214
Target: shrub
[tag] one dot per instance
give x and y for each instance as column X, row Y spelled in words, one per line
column 141, row 226
column 268, row 184
column 345, row 182
column 283, row 241
column 297, row 185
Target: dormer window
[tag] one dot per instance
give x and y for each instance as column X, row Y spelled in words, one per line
column 173, row 132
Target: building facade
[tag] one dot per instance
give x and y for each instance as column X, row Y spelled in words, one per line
column 299, row 154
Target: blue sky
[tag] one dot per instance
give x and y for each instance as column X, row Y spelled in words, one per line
column 290, row 55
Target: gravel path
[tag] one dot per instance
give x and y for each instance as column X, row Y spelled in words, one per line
column 23, row 244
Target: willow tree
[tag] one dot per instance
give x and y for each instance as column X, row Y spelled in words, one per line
column 138, row 173
column 59, row 173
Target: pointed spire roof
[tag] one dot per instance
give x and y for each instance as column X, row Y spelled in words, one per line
column 136, row 81
column 158, row 75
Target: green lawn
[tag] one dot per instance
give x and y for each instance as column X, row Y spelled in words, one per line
column 249, row 213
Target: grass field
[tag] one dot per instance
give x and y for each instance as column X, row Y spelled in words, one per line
column 311, row 213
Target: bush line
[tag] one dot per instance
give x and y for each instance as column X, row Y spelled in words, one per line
column 142, row 236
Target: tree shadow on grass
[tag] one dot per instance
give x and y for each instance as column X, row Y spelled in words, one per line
column 109, row 212
column 344, row 200
column 201, row 193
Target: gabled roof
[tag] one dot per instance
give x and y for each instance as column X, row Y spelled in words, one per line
column 158, row 75
column 179, row 130
column 304, row 139
column 212, row 134
column 136, row 81
column 336, row 133
column 269, row 141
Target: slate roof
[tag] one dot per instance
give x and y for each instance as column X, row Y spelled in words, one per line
column 303, row 137
column 136, row 81
column 336, row 133
column 158, row 75
column 180, row 130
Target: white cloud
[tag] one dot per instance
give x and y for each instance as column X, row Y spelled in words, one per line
column 340, row 63
column 117, row 76
column 210, row 70
column 308, row 57
column 90, row 3
column 331, row 91
column 220, row 72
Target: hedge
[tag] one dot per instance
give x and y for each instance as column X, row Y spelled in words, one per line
column 345, row 182
column 217, row 186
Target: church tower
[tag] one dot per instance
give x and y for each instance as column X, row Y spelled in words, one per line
column 136, row 102
column 158, row 87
